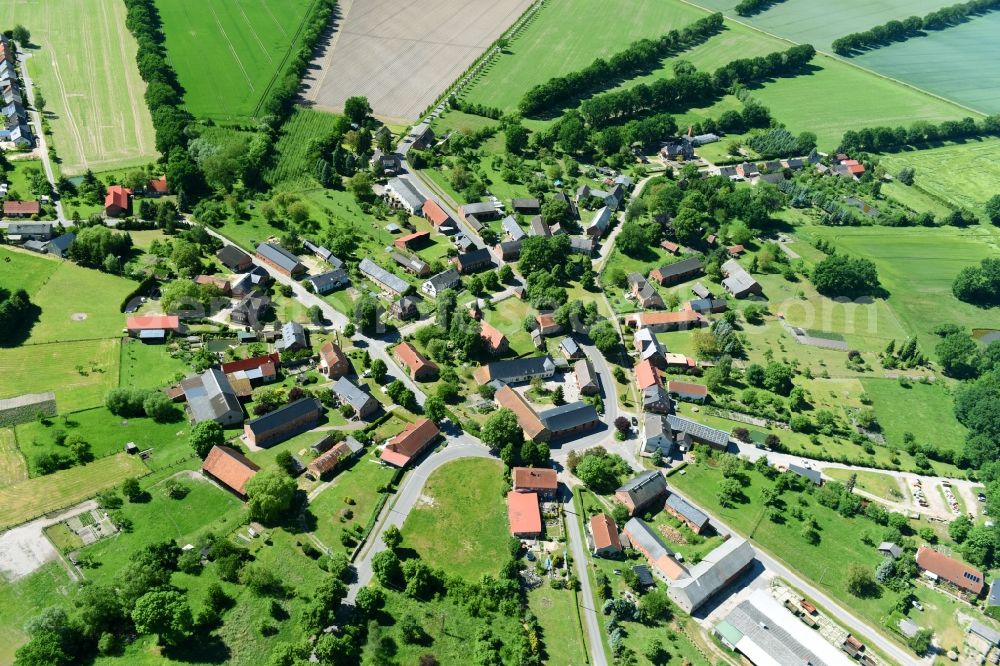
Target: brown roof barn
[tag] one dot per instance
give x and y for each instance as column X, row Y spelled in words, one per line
column 230, row 468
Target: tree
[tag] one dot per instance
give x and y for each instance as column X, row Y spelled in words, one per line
column 369, row 600
column 840, row 275
column 601, row 473
column 357, row 109
column 379, row 370
column 159, row 407
column 730, row 491
column 502, row 429
column 165, row 613
column 269, row 495
column 958, row 529
column 958, row 354
column 778, row 378
column 411, row 631
column 604, row 336
column 205, row 435
column 286, row 462
column 434, row 409
column 635, row 238
column 920, row 642
column 860, row 582
column 385, row 566
column 392, row 537
column 992, row 209
column 622, row 425
column 656, row 653
column 21, row 35
column 654, row 607
column 131, row 489
column 515, row 139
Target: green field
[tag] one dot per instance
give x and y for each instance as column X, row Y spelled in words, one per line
column 80, row 372
column 12, row 465
column 149, row 366
column 32, row 498
column 561, row 632
column 293, row 143
column 933, row 423
column 876, row 483
column 25, row 599
column 960, row 174
column 461, row 525
column 25, row 270
column 85, row 69
column 360, row 486
column 227, row 54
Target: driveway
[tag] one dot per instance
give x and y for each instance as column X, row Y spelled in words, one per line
column 25, row 549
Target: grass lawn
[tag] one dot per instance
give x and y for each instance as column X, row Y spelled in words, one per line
column 26, row 598
column 25, row 270
column 460, row 523
column 933, row 423
column 63, row 538
column 34, row 497
column 876, row 483
column 142, row 239
column 508, row 317
column 148, row 366
column 54, row 367
column 561, row 632
column 92, row 128
column 17, row 177
column 12, row 464
column 915, row 198
column 961, row 174
column 106, row 433
column 227, row 54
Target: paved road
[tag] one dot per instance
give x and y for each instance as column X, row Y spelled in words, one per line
column 576, row 542
column 29, row 89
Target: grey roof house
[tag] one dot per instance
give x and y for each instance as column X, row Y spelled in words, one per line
column 384, row 279
column 448, row 279
column 293, row 336
column 364, row 405
column 210, row 397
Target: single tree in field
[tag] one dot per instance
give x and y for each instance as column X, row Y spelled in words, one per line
column 21, row 35
column 165, row 613
column 357, row 109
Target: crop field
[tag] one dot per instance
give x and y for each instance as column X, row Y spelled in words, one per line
column 963, row 174
column 227, row 53
column 80, row 372
column 85, row 68
column 917, row 267
column 403, row 56
column 934, row 423
column 461, row 524
column 563, row 37
column 32, row 498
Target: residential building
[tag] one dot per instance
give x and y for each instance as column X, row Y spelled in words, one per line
column 687, row 513
column 411, row 241
column 386, row 281
column 642, row 538
column 516, row 370
column 538, row 227
column 230, row 468
column 600, row 222
column 333, row 362
column 418, row 367
column 541, row 480
column 512, row 228
column 473, row 261
column 524, row 515
column 644, row 293
column 688, row 391
column 22, row 232
column 812, row 475
column 405, row 195
column 582, row 245
column 603, row 533
column 660, row 322
column 569, row 419
column 527, row 417
column 547, row 324
column 449, row 279
column 526, row 206
column 688, row 432
column 494, row 341
column 570, row 349
column 253, row 310
column 347, row 393
column 656, row 400
column 210, row 397
column 509, row 250
column 387, row 164
column 738, row 281
column 939, row 567
column 650, row 348
column 717, row 570
column 410, row 443
column 677, row 272
column 280, row 259
column 643, row 492
column 330, row 281
column 284, row 422
column 293, row 337
column 656, row 434
column 259, row 369
column 157, row 187
column 646, row 375
column 586, row 378
column 118, row 201
column 162, row 324
column 404, row 308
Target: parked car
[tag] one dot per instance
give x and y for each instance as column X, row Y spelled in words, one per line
column 982, row 497
column 916, row 604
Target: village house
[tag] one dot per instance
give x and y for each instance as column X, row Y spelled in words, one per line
column 414, row 265
column 586, row 378
column 24, row 232
column 512, row 228
column 538, row 227
column 526, row 206
column 259, row 369
column 677, row 272
column 660, row 322
column 569, row 419
column 157, row 187
column 644, row 293
column 547, row 324
column 687, row 391
column 603, row 533
column 449, row 279
column 436, row 215
column 333, row 362
column 541, row 480
column 280, row 259
column 527, row 417
column 282, row 423
column 404, row 308
column 383, row 279
column 515, row 370
column 656, row 435
column 600, row 222
column 360, row 401
column 419, row 368
column 646, row 375
column 494, row 341
column 293, row 337
column 656, row 400
column 230, row 468
column 210, row 397
column 738, row 281
column 509, row 250
column 387, row 164
column 690, row 515
column 650, row 348
column 707, row 305
column 253, row 310
column 410, row 443
column 939, row 567
column 472, row 261
column 118, row 201
column 643, row 492
column 330, row 281
column 570, row 349
column 582, row 245
column 403, row 194
column 219, row 283
column 643, row 539
column 524, row 515
column 152, row 328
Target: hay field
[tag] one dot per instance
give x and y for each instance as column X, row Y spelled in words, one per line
column 227, row 52
column 80, row 372
column 402, row 55
column 963, row 174
column 85, row 68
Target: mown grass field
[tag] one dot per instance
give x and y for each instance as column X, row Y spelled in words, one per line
column 25, row 270
column 148, row 366
column 933, row 423
column 12, row 465
column 963, row 174
column 32, row 498
column 461, row 523
column 876, row 483
column 26, row 598
column 360, row 485
column 226, row 54
column 85, row 68
column 561, row 632
column 53, row 367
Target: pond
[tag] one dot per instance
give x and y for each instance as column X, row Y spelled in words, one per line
column 221, row 344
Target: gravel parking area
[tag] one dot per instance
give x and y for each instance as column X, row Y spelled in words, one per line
column 402, row 54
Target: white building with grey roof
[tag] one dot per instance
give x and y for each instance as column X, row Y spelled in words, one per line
column 719, row 568
column 406, row 195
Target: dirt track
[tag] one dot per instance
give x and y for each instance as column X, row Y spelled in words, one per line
column 402, row 54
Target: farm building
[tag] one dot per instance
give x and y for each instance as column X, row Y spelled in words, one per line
column 688, row 514
column 230, row 468
column 494, row 341
column 570, row 349
column 527, row 417
column 385, row 280
column 419, row 368
column 650, row 348
column 646, row 375
column 738, row 281
column 526, row 206
column 569, row 419
column 252, row 310
column 262, row 369
column 436, row 215
column 512, row 228
column 688, row 391
column 411, row 442
column 642, row 492
column 210, row 397
column 524, row 515
column 280, row 259
column 547, row 324
column 600, row 222
column 812, row 475
column 405, row 195
column 284, row 422
column 22, row 232
column 152, row 328
column 516, row 370
column 660, row 322
column 688, row 432
column 538, row 227
column 643, row 539
column 411, row 241
column 348, row 393
column 414, row 265
column 707, row 305
column 472, row 261
column 330, row 281
column 586, row 378
column 677, row 272
column 603, row 533
column 509, row 250
column 717, row 570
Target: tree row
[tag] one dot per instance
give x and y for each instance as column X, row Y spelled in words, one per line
column 897, row 31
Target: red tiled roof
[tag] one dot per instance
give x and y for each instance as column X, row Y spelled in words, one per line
column 523, row 513
column 117, row 196
column 434, row 213
column 674, row 386
column 534, row 478
column 955, row 572
column 406, row 445
column 21, row 207
column 670, row 247
column 655, row 318
column 332, row 354
column 735, row 250
column 230, row 467
column 251, row 363
column 147, row 322
column 324, row 462
column 646, row 375
column 159, row 185
column 413, row 359
column 491, row 336
column 604, row 531
column 527, row 418
column 404, row 242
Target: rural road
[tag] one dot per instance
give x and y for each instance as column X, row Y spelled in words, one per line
column 29, row 89
column 588, row 608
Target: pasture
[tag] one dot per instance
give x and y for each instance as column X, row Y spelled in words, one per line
column 934, row 423
column 12, row 465
column 85, row 68
column 403, row 56
column 148, row 366
column 80, row 372
column 227, row 54
column 20, row 269
column 34, row 497
column 460, row 522
column 26, row 598
column 879, row 484
column 962, row 174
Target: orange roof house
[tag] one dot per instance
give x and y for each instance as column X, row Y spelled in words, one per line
column 435, row 214
column 118, row 201
column 153, row 322
column 328, row 460
column 494, row 341
column 524, row 514
column 604, row 533
column 230, row 468
column 420, row 368
column 158, row 185
column 949, row 569
column 541, row 480
column 411, row 240
column 252, row 363
column 527, row 418
column 21, row 208
column 735, row 250
column 333, row 361
column 408, row 444
column 646, row 375
column 854, row 167
column 547, row 324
